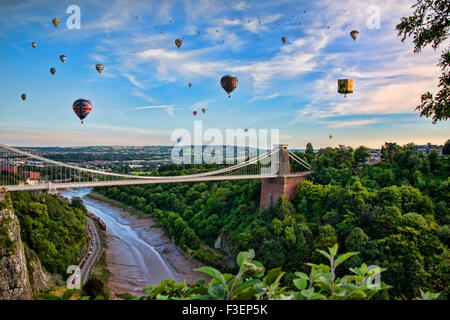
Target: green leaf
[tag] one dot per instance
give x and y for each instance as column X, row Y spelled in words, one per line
column 302, row 275
column 333, row 250
column 342, row 257
column 217, row 291
column 149, row 289
column 300, row 283
column 213, row 273
column 126, row 296
column 273, row 276
column 324, row 254
column 245, row 255
column 364, row 268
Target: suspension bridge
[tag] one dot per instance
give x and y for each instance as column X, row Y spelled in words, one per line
column 21, row 171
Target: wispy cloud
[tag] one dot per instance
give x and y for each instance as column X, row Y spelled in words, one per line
column 350, row 123
column 270, row 96
column 134, row 81
column 168, row 108
column 241, row 6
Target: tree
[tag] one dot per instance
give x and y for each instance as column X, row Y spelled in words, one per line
column 430, row 24
column 361, row 155
column 309, row 152
column 389, row 150
column 446, row 149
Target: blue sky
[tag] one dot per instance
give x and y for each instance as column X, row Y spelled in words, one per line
column 143, row 94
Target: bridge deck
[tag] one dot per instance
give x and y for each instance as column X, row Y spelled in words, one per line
column 44, row 186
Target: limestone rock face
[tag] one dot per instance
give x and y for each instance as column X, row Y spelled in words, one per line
column 224, row 244
column 14, row 280
column 39, row 280
column 21, row 274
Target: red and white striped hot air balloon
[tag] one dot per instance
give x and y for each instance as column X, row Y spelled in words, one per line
column 82, row 107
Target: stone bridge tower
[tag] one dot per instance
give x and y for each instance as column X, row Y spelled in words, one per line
column 283, row 185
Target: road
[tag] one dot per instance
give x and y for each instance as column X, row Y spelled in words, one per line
column 92, row 258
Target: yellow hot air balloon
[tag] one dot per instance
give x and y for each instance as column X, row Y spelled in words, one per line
column 330, row 136
column 345, row 86
column 55, row 22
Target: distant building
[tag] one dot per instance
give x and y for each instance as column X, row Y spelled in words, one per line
column 12, row 169
column 374, row 156
column 31, row 182
column 427, row 148
column 29, row 175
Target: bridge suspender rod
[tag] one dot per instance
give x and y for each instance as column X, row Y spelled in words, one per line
column 80, row 169
column 299, row 160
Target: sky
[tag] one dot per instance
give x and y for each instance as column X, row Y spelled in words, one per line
column 142, row 96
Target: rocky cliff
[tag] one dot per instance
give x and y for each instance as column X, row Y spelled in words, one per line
column 21, row 274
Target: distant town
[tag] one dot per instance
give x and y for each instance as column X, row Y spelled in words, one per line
column 121, row 159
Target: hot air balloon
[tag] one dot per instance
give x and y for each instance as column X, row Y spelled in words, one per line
column 52, row 70
column 178, row 42
column 178, row 139
column 82, row 107
column 62, row 58
column 203, row 109
column 23, row 96
column 246, row 130
column 99, row 67
column 170, row 21
column 284, row 39
column 345, row 86
column 190, row 85
column 33, row 44
column 354, row 34
column 229, row 82
column 330, row 136
column 195, row 112
column 55, row 22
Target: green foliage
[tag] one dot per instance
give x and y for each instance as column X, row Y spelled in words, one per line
column 393, row 213
column 95, row 289
column 430, row 25
column 52, row 228
column 251, row 284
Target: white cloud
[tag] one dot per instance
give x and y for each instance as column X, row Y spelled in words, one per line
column 143, row 96
column 270, row 96
column 350, row 123
column 133, row 80
column 168, row 108
column 241, row 6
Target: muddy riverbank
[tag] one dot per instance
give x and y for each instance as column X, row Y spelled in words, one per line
column 138, row 253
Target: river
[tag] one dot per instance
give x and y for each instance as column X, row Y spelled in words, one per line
column 136, row 254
